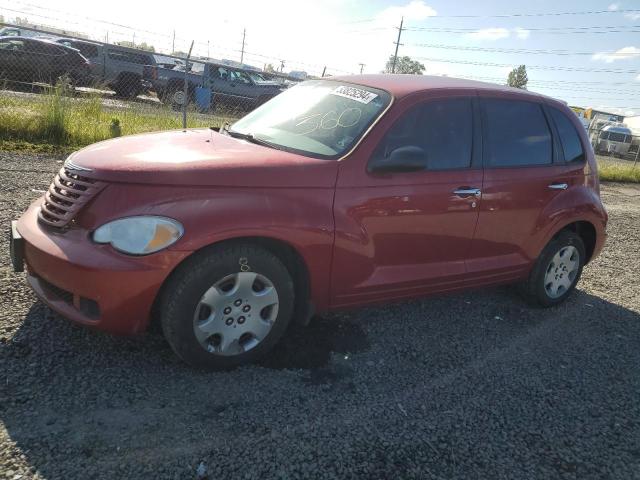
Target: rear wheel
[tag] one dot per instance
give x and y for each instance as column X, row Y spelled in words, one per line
column 557, row 270
column 128, row 87
column 227, row 306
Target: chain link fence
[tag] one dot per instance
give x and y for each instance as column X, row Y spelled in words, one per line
column 72, row 91
column 65, row 90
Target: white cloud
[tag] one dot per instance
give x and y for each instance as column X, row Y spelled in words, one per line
column 625, row 53
column 489, row 34
column 633, row 15
column 613, row 7
column 498, row 33
column 415, row 10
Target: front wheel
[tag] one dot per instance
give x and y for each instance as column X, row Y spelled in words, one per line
column 557, row 270
column 227, row 306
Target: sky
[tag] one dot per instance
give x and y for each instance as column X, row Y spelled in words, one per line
column 572, row 53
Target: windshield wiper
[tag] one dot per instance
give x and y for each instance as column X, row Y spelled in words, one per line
column 249, row 137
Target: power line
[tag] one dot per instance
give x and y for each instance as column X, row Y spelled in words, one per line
column 511, row 15
column 534, row 67
column 542, row 84
column 523, row 51
column 542, row 14
column 579, row 83
column 595, row 29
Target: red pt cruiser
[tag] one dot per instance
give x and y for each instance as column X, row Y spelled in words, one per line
column 336, row 193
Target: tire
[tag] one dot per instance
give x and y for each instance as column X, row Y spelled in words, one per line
column 554, row 270
column 127, row 87
column 207, row 305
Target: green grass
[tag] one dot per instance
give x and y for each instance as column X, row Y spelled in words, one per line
column 55, row 121
column 618, row 171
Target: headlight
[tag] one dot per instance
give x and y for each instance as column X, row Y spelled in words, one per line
column 139, row 235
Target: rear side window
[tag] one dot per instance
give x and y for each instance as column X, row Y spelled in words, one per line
column 86, row 49
column 517, row 134
column 571, row 145
column 443, row 129
column 130, row 57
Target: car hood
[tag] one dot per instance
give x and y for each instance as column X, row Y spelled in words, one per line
column 198, row 157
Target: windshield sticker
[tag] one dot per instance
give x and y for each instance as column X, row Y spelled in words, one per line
column 357, row 94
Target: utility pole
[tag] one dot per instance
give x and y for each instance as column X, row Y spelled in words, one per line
column 324, row 70
column 395, row 55
column 173, row 43
column 185, row 90
column 281, row 65
column 208, row 55
column 134, row 39
column 361, row 67
column 244, row 34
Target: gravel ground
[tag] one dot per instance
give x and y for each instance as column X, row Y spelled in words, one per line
column 475, row 385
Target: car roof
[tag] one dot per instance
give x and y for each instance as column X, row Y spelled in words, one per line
column 617, row 128
column 402, row 85
column 75, row 40
column 48, row 41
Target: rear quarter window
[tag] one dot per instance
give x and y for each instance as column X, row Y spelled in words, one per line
column 516, row 134
column 569, row 138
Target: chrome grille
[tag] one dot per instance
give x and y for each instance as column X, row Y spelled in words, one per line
column 68, row 193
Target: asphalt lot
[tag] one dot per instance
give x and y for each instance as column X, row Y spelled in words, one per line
column 475, row 385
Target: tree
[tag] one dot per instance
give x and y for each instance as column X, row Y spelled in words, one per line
column 269, row 68
column 139, row 46
column 404, row 65
column 518, row 77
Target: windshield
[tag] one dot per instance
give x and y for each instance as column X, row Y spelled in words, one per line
column 256, row 77
column 319, row 118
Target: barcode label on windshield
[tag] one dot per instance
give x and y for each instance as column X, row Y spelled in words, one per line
column 357, row 94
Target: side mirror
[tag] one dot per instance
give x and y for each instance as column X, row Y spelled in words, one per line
column 402, row 159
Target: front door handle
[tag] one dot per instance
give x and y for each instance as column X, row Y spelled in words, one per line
column 558, row 186
column 464, row 192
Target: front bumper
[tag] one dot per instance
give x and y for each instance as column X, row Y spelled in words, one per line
column 92, row 284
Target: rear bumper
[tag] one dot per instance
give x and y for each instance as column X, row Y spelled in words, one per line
column 92, row 284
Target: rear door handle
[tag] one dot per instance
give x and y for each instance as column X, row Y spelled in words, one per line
column 558, row 186
column 464, row 192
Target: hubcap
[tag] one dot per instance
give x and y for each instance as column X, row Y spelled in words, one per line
column 178, row 97
column 236, row 313
column 562, row 271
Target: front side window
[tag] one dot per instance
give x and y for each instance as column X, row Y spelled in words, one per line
column 569, row 138
column 440, row 130
column 516, row 133
column 319, row 118
column 616, row 137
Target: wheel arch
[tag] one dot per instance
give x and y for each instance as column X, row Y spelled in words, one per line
column 586, row 231
column 287, row 253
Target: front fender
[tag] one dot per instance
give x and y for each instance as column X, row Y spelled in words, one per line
column 300, row 218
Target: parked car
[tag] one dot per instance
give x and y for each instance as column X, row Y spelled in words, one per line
column 39, row 60
column 119, row 68
column 613, row 140
column 337, row 193
column 228, row 85
column 20, row 32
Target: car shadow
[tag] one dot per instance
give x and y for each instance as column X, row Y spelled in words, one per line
column 82, row 404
